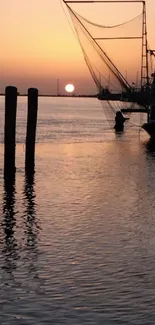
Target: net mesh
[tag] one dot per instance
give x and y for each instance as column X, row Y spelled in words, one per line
column 112, row 52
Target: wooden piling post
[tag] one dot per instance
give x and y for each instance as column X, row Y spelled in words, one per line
column 10, row 130
column 31, row 130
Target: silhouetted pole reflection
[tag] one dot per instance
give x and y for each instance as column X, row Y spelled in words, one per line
column 30, row 210
column 9, row 223
column 32, row 228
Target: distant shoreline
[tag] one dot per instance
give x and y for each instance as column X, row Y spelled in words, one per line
column 72, row 96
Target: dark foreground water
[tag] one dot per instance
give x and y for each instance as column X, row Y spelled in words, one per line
column 77, row 241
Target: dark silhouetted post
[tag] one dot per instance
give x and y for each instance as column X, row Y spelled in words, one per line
column 31, row 130
column 10, row 131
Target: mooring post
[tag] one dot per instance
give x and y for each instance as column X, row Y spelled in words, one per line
column 10, row 131
column 31, row 130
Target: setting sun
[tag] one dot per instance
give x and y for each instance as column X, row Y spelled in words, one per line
column 69, row 88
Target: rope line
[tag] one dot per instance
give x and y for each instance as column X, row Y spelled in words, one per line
column 112, row 26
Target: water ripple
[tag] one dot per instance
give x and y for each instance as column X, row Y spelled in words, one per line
column 77, row 238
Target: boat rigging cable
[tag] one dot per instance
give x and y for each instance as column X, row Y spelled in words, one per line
column 108, row 113
column 82, row 27
column 89, row 63
column 101, row 53
column 103, row 70
column 106, row 26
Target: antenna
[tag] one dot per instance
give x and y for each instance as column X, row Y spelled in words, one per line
column 58, row 94
column 144, row 59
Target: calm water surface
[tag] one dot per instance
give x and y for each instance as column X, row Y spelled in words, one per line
column 77, row 241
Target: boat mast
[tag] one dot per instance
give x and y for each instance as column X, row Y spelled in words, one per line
column 144, row 58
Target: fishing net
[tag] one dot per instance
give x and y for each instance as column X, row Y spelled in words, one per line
column 112, row 52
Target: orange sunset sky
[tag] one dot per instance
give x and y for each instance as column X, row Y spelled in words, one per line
column 38, row 45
